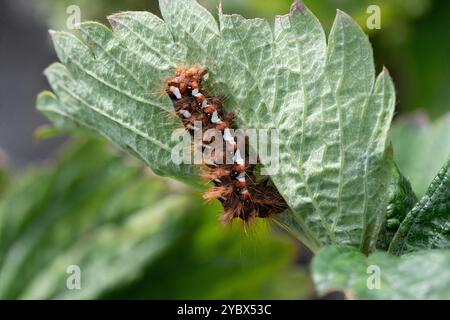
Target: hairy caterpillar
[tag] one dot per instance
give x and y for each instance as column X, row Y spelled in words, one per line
column 237, row 186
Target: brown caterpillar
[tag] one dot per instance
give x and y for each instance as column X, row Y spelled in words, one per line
column 237, row 186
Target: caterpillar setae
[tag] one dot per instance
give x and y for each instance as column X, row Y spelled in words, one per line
column 237, row 184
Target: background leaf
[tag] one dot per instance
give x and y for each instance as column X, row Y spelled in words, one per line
column 402, row 199
column 421, row 148
column 208, row 262
column 427, row 226
column 423, row 275
column 132, row 236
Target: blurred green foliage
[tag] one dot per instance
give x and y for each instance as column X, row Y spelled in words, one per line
column 420, row 148
column 4, row 175
column 4, row 180
column 133, row 236
column 413, row 42
column 422, row 275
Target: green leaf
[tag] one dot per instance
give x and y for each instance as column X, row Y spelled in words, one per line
column 116, row 92
column 402, row 200
column 420, row 148
column 331, row 113
column 131, row 235
column 59, row 218
column 423, row 275
column 427, row 225
column 335, row 121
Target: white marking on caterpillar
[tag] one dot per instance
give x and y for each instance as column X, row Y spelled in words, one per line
column 186, row 113
column 218, row 180
column 191, row 127
column 176, row 92
column 237, row 158
column 204, row 103
column 215, row 118
column 241, row 177
column 228, row 137
column 196, row 93
column 245, row 191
